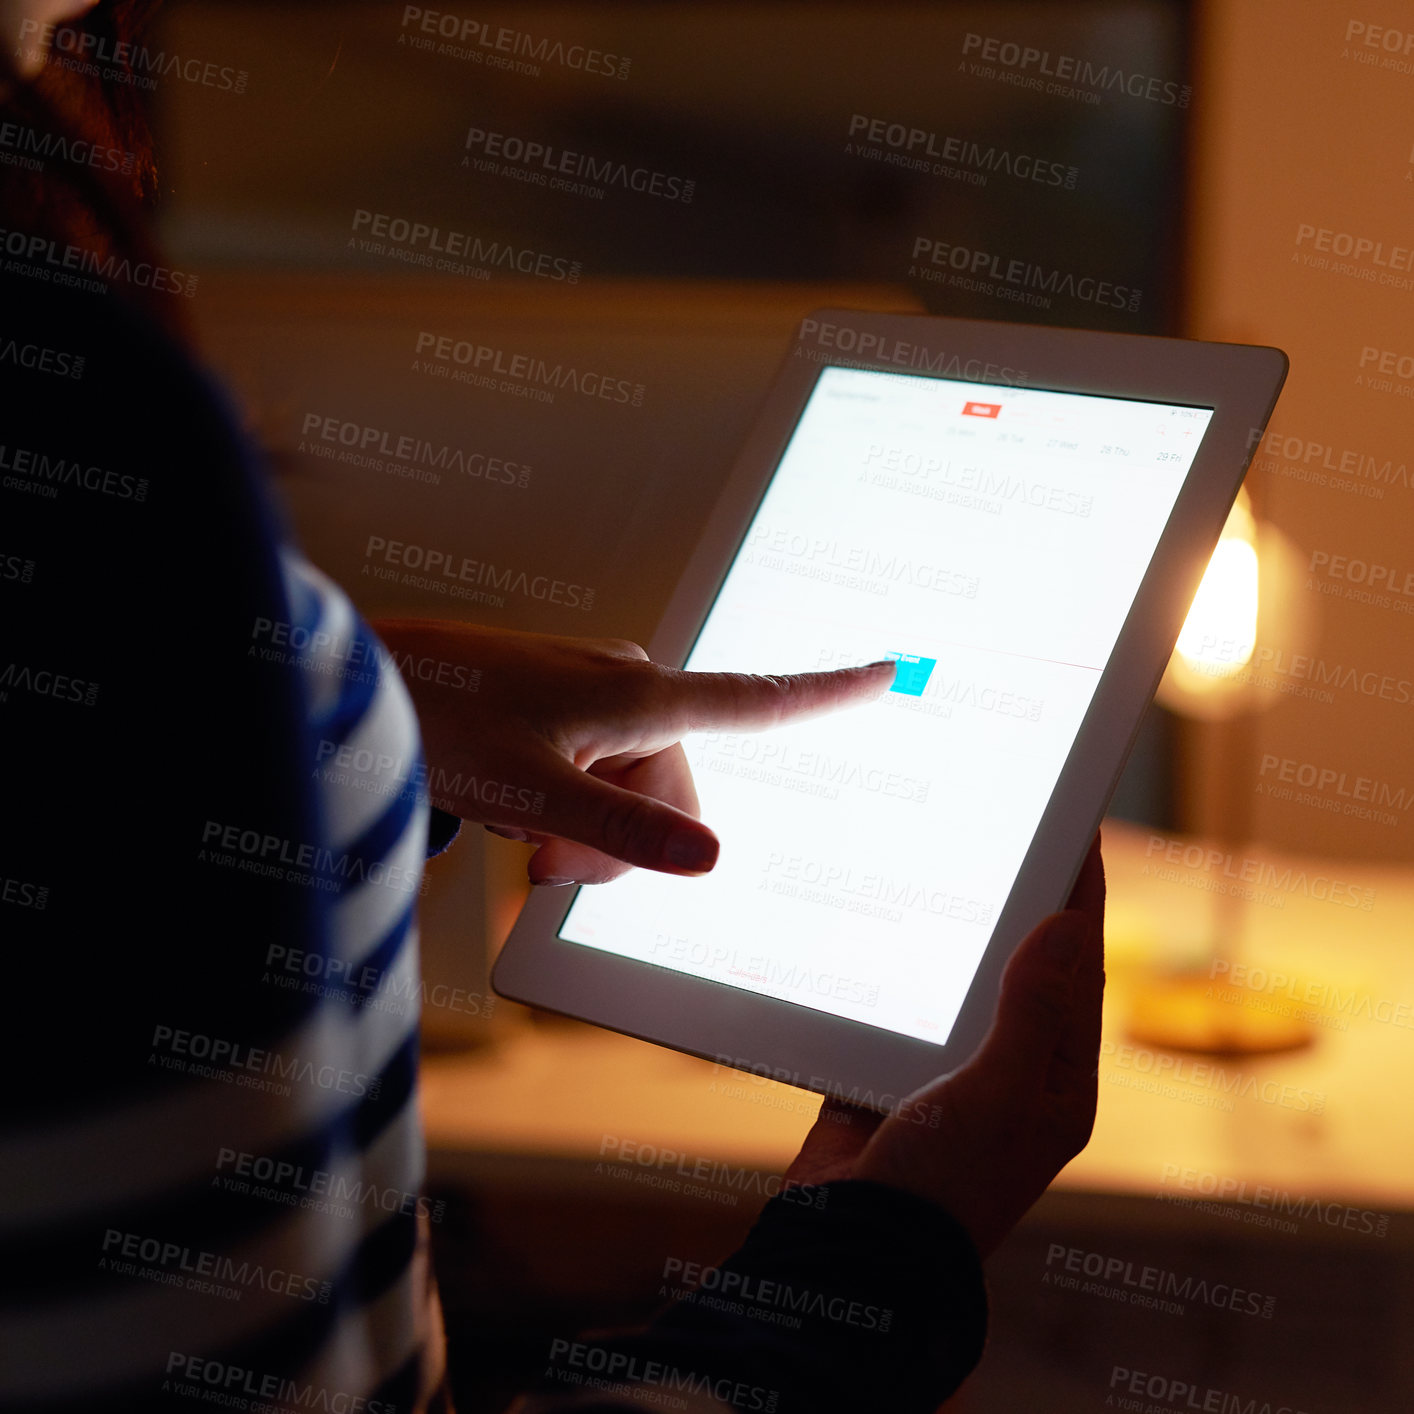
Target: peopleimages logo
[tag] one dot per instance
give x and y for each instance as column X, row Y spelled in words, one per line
column 919, row 149
column 265, row 855
column 846, row 886
column 764, row 973
column 900, row 1107
column 175, row 1264
column 780, row 1303
column 48, row 260
column 543, row 164
column 322, row 1190
column 1081, row 72
column 1379, row 45
column 1231, row 1194
column 235, row 1062
column 99, row 56
column 40, row 358
column 1012, row 278
column 44, row 682
column 41, row 474
column 32, row 146
column 1341, row 468
column 23, row 894
column 1358, row 256
column 1169, row 1069
column 462, row 571
column 441, row 249
column 215, row 1383
column 1387, row 361
column 359, row 444
column 857, row 567
column 1300, row 675
column 1332, row 789
column 522, row 374
column 1154, row 1287
column 1213, row 869
column 595, row 1367
column 1145, row 1388
column 848, row 347
column 1364, row 581
column 16, row 567
column 971, row 484
column 501, row 47
column 1326, row 997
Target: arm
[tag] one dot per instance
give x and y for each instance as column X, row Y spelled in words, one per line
column 843, row 1298
column 878, row 1249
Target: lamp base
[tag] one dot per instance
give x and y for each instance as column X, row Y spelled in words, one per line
column 1185, row 1014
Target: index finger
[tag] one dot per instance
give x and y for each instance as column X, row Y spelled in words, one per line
column 754, row 701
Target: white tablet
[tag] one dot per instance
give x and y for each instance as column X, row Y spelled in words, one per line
column 1021, row 516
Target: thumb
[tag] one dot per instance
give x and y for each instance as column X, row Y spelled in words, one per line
column 637, row 829
column 1034, row 1005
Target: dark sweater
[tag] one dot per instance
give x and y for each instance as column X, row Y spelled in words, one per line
column 134, row 715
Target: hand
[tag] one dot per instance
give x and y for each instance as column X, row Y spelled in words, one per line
column 572, row 744
column 1017, row 1112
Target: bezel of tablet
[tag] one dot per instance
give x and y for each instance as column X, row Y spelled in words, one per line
column 813, row 1049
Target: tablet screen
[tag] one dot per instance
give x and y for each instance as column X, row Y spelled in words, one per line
column 991, row 539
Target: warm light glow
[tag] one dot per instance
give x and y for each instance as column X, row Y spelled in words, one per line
column 1220, row 632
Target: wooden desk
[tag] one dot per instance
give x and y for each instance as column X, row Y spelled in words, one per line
column 1330, row 1121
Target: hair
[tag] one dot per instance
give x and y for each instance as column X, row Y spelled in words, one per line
column 75, row 202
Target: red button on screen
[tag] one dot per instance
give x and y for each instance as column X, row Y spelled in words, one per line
column 981, row 409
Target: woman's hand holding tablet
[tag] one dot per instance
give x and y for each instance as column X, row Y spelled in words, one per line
column 985, row 1141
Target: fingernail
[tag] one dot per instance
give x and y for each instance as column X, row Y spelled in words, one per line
column 1066, row 936
column 689, row 850
column 506, row 833
column 553, row 882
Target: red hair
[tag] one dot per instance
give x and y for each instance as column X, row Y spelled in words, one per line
column 75, row 202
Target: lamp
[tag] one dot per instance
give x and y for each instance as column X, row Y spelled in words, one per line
column 1249, row 596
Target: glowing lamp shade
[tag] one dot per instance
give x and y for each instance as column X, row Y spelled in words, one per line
column 1205, row 676
column 1221, row 628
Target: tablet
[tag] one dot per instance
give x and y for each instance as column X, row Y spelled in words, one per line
column 1019, row 516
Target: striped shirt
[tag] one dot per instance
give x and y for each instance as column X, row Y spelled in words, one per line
column 258, row 1232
